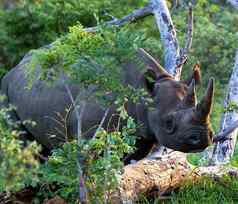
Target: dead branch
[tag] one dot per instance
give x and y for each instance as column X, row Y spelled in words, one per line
column 188, row 41
column 189, row 36
column 224, row 135
column 79, row 114
column 132, row 17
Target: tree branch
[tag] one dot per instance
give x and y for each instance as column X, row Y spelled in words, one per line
column 223, row 136
column 132, row 17
column 102, row 121
column 82, row 187
column 188, row 41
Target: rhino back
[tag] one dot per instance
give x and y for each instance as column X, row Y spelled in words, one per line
column 42, row 104
column 47, row 105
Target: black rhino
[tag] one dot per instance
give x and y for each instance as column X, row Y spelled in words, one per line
column 174, row 120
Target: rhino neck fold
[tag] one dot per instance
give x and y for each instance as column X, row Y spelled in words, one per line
column 139, row 112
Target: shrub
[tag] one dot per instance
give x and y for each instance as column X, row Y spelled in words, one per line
column 101, row 162
column 18, row 163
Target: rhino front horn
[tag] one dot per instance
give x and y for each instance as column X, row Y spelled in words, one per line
column 203, row 109
column 152, row 63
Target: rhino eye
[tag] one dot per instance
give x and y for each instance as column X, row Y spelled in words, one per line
column 169, row 124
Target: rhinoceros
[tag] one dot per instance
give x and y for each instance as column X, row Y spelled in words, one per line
column 174, row 119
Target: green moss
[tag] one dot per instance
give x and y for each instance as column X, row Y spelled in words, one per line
column 207, row 190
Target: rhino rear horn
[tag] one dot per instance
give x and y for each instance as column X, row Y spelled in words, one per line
column 190, row 100
column 196, row 75
column 152, row 63
column 203, row 109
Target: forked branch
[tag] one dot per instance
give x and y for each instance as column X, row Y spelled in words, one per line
column 174, row 56
column 188, row 41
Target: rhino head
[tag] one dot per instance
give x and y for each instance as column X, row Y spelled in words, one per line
column 176, row 119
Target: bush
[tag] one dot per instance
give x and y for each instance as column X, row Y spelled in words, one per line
column 18, row 163
column 100, row 159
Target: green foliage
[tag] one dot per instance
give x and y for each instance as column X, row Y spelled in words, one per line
column 59, row 175
column 101, row 162
column 18, row 163
column 34, row 23
column 79, row 54
column 234, row 159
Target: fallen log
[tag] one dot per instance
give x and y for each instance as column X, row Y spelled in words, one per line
column 162, row 174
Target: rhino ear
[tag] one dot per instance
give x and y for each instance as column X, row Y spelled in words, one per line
column 196, row 75
column 153, row 64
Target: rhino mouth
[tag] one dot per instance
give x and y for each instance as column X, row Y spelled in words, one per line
column 196, row 151
column 197, row 138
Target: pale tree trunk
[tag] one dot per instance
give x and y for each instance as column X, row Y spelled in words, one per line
column 234, row 3
column 223, row 151
column 167, row 35
column 174, row 56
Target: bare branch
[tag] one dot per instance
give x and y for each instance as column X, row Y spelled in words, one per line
column 102, row 122
column 132, row 17
column 189, row 36
column 188, row 41
column 222, row 136
column 224, row 150
column 82, row 187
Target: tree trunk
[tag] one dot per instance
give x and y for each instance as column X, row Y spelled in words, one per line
column 223, row 151
column 234, row 3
